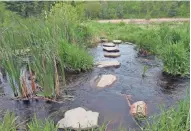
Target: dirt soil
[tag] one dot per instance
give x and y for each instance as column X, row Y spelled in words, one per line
column 144, row 21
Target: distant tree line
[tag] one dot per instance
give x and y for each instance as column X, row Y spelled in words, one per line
column 137, row 9
column 107, row 9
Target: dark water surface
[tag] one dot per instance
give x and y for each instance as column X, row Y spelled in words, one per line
column 155, row 89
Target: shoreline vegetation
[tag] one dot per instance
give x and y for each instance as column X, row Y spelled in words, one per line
column 176, row 118
column 42, row 40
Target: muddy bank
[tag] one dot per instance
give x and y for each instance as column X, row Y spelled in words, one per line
column 155, row 89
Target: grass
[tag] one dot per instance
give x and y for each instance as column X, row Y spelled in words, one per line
column 169, row 41
column 57, row 40
column 176, row 118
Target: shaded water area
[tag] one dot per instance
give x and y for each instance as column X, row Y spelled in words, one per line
column 155, row 89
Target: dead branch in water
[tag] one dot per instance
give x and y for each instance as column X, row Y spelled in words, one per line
column 57, row 88
column 128, row 98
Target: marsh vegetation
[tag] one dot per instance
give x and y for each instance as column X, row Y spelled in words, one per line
column 40, row 42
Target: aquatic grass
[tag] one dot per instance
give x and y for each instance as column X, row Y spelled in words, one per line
column 175, row 59
column 176, row 118
column 8, row 122
column 75, row 58
column 39, row 125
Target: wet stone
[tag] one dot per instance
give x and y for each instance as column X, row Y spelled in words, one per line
column 106, row 80
column 79, row 118
column 111, row 49
column 105, row 64
column 117, row 41
column 112, row 54
column 109, row 45
column 104, row 40
column 139, row 109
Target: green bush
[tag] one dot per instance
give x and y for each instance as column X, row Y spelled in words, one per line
column 175, row 59
column 76, row 58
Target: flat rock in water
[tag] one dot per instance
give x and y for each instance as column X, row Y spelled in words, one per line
column 106, row 80
column 117, row 41
column 112, row 54
column 105, row 64
column 79, row 118
column 109, row 45
column 111, row 49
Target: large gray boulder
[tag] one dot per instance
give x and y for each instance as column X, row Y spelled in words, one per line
column 111, row 49
column 79, row 118
column 106, row 80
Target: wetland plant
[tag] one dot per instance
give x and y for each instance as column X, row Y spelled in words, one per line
column 145, row 69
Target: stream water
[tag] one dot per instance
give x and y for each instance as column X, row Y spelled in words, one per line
column 155, row 89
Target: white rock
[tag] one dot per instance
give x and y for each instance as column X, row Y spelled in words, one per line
column 79, row 118
column 111, row 49
column 106, row 80
column 117, row 41
column 112, row 55
column 109, row 45
column 103, row 64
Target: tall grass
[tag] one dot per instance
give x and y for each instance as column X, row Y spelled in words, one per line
column 176, row 118
column 8, row 123
column 52, row 43
column 169, row 41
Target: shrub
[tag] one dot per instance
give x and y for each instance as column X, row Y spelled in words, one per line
column 175, row 59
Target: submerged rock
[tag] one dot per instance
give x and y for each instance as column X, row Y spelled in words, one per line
column 117, row 41
column 109, row 45
column 139, row 109
column 106, row 80
column 112, row 55
column 79, row 118
column 111, row 49
column 105, row 64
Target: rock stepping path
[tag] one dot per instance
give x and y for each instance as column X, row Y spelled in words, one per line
column 105, row 64
column 111, row 49
column 79, row 118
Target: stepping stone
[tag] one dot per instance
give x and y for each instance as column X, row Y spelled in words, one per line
column 112, row 54
column 109, row 45
column 111, row 49
column 104, row 64
column 106, row 80
column 79, row 118
column 117, row 41
column 104, row 40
